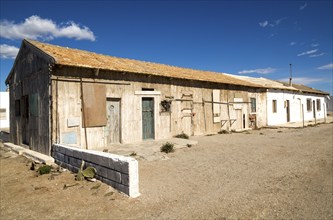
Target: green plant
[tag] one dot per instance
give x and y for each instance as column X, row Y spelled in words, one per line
column 133, row 154
column 167, row 148
column 44, row 169
column 88, row 173
column 182, row 135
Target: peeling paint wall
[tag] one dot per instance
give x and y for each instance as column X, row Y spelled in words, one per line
column 191, row 109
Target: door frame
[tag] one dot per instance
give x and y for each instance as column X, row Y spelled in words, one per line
column 314, row 108
column 120, row 117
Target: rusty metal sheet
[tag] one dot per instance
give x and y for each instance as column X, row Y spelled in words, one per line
column 94, row 104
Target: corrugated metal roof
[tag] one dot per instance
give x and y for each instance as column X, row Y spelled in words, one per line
column 80, row 58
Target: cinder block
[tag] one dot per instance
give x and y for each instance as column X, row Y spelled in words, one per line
column 101, row 171
column 110, row 182
column 123, row 188
column 77, row 154
column 94, row 158
column 121, row 166
column 75, row 162
column 125, row 179
column 60, row 156
column 104, row 161
column 114, row 176
column 85, row 156
column 68, row 152
column 62, row 149
column 66, row 159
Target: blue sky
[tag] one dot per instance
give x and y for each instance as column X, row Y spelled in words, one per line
column 251, row 38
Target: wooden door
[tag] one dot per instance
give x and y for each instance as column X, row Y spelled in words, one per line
column 288, row 110
column 112, row 128
column 148, row 128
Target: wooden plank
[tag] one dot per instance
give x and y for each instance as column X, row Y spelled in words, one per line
column 94, row 97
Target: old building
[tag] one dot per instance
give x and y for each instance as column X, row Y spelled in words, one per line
column 88, row 100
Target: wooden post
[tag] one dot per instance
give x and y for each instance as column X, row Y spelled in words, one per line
column 83, row 115
column 204, row 111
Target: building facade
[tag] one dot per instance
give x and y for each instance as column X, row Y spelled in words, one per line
column 87, row 100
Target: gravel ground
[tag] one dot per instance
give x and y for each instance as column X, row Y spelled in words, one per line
column 268, row 173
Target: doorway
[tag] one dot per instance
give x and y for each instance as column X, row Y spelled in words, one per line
column 112, row 128
column 148, row 128
column 288, row 110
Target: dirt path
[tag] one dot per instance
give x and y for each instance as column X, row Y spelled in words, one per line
column 271, row 173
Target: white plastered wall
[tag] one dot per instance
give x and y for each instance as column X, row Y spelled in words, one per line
column 297, row 101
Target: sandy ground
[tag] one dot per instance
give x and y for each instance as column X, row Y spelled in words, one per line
column 269, row 173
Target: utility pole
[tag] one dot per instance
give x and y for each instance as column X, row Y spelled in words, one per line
column 291, row 76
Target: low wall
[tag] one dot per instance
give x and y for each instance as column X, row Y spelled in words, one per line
column 120, row 172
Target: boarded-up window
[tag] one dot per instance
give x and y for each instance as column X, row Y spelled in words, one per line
column 3, row 115
column 33, row 104
column 216, row 106
column 94, row 104
column 318, row 105
column 308, row 105
column 274, row 107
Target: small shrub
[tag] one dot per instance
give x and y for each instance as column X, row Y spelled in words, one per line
column 182, row 135
column 133, row 154
column 44, row 170
column 167, row 148
column 224, row 132
column 189, row 145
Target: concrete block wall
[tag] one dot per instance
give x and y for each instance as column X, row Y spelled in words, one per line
column 120, row 172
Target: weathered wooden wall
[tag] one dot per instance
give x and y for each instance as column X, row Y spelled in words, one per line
column 191, row 106
column 30, row 79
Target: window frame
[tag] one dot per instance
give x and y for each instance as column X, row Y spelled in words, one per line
column 309, row 104
column 274, row 106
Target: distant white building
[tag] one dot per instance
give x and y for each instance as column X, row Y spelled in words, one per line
column 4, row 110
column 288, row 104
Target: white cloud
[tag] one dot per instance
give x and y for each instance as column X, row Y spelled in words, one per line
column 8, row 52
column 292, row 43
column 326, row 67
column 263, row 24
column 303, row 6
column 260, row 71
column 316, row 55
column 303, row 80
column 314, row 45
column 35, row 27
column 307, row 52
column 278, row 21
